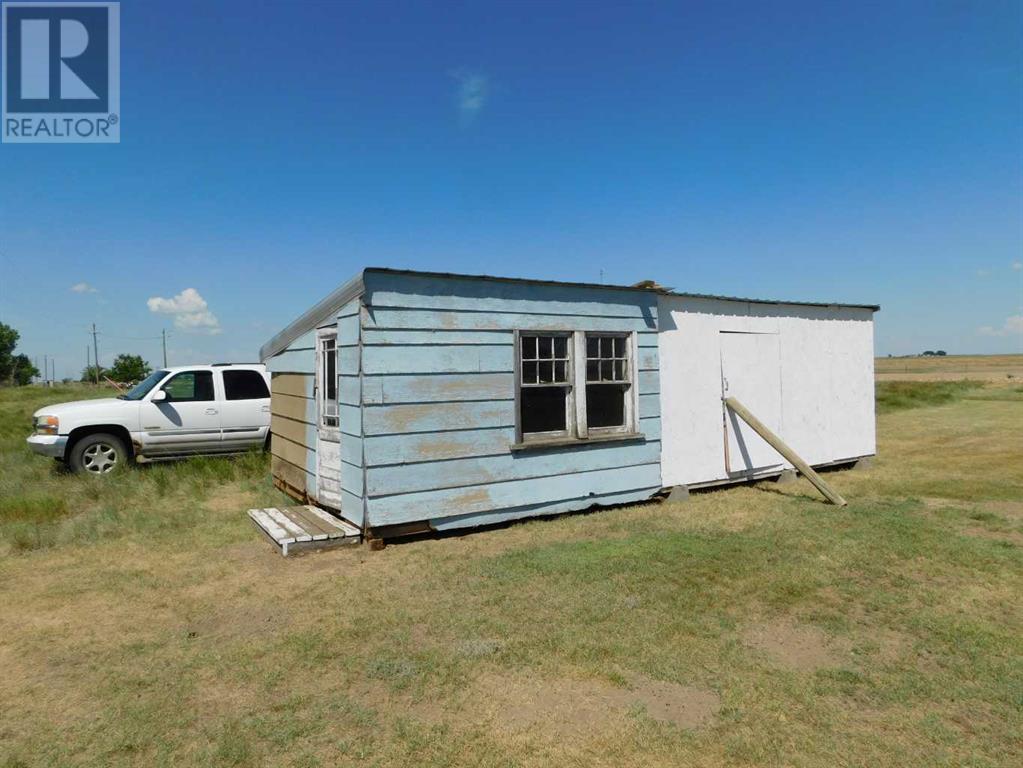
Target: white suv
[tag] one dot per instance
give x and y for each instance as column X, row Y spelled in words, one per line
column 174, row 412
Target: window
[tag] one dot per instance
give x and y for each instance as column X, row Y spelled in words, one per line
column 327, row 380
column 245, row 385
column 544, row 384
column 607, row 381
column 575, row 385
column 190, row 387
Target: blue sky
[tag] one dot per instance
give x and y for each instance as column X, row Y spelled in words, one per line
column 854, row 152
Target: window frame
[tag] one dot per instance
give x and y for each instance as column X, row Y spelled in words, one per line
column 577, row 432
column 195, row 373
column 570, row 408
column 228, row 374
column 629, row 420
column 327, row 430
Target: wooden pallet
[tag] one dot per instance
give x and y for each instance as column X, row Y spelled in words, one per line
column 299, row 529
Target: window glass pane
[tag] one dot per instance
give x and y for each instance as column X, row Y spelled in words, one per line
column 605, row 405
column 543, row 409
column 529, row 373
column 546, row 348
column 528, row 347
column 244, row 385
column 330, row 375
column 592, row 370
column 561, row 347
column 190, row 387
column 606, row 370
column 561, row 372
column 619, row 346
column 620, row 370
column 546, row 372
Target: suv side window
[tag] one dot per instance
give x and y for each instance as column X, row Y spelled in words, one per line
column 245, row 385
column 190, row 387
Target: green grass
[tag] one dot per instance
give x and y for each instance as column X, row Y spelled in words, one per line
column 900, row 395
column 147, row 624
column 42, row 506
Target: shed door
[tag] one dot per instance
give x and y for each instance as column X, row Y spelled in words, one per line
column 751, row 373
column 328, row 440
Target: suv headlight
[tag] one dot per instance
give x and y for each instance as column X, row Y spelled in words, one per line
column 47, row 425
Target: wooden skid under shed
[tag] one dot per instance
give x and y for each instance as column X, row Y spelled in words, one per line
column 299, row 529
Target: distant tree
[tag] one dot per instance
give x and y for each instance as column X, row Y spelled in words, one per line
column 929, row 353
column 940, row 353
column 89, row 374
column 16, row 370
column 22, row 370
column 8, row 341
column 129, row 368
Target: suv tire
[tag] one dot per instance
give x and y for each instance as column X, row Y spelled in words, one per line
column 98, row 454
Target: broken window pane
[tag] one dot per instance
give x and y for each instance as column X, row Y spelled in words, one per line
column 605, row 405
column 543, row 409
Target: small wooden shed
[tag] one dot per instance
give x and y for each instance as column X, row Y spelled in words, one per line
column 412, row 401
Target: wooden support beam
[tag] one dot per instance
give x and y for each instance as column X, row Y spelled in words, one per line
column 779, row 445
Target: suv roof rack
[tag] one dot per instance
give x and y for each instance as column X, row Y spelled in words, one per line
column 220, row 365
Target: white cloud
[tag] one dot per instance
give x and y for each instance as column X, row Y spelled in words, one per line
column 983, row 273
column 1013, row 326
column 84, row 288
column 472, row 94
column 190, row 312
column 1017, row 265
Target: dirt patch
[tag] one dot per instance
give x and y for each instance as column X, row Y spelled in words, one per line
column 378, row 696
column 569, row 707
column 1009, row 537
column 796, row 646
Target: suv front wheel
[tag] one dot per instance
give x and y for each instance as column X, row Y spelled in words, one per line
column 98, row 454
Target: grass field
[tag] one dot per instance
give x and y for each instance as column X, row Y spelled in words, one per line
column 143, row 622
column 994, row 368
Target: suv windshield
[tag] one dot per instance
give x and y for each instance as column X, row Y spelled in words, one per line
column 141, row 389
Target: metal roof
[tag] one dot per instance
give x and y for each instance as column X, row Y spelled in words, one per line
column 329, row 306
column 872, row 307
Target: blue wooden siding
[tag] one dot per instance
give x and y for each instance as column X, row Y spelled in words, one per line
column 349, row 368
column 437, row 396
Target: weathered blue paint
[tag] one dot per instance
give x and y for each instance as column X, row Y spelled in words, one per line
column 482, row 470
column 451, row 358
column 427, row 401
column 436, row 388
column 428, row 319
column 538, row 510
column 438, row 446
column 349, row 369
column 293, row 361
column 438, row 401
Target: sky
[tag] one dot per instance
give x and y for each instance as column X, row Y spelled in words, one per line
column 826, row 151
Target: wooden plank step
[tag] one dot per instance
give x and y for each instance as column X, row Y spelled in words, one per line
column 294, row 529
column 343, row 525
column 308, row 522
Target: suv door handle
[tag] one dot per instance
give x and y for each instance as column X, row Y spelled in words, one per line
column 211, row 411
column 266, row 409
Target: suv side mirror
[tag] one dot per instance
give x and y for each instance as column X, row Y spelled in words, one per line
column 158, row 397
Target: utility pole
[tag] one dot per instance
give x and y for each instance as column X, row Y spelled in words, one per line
column 95, row 352
column 164, row 334
column 87, row 364
column 46, row 371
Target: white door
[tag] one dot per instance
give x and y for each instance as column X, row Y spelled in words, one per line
column 751, row 373
column 328, row 442
column 245, row 410
column 188, row 421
